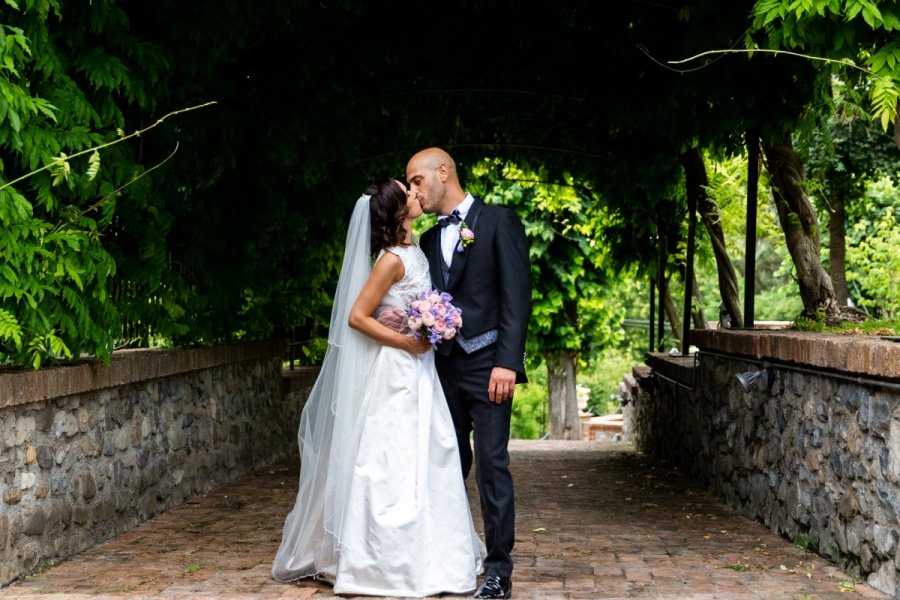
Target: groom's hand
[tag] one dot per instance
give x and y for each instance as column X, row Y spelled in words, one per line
column 502, row 385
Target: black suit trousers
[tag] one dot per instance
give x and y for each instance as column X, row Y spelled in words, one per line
column 465, row 378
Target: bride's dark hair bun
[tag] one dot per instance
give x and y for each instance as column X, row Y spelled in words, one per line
column 387, row 209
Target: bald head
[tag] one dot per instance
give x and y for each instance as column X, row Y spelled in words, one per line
column 432, row 178
column 433, row 158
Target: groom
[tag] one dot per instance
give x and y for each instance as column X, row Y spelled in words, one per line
column 479, row 255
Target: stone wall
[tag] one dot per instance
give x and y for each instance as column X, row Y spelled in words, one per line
column 89, row 451
column 810, row 449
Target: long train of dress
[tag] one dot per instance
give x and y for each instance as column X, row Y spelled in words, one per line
column 396, row 519
column 408, row 530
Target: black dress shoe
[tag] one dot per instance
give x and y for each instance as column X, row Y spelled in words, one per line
column 495, row 586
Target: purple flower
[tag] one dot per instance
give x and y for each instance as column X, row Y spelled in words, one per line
column 432, row 316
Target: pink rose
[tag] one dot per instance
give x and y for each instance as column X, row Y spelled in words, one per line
column 414, row 323
column 467, row 234
column 427, row 319
column 420, row 305
column 439, row 325
column 448, row 333
column 440, row 310
column 434, row 299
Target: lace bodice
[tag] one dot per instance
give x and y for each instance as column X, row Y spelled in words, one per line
column 415, row 280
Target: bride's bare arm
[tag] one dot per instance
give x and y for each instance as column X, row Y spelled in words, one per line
column 387, row 271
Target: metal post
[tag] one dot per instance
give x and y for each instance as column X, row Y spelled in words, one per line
column 750, row 240
column 661, row 286
column 650, row 322
column 688, row 276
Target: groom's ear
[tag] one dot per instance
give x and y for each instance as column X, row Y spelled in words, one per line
column 443, row 172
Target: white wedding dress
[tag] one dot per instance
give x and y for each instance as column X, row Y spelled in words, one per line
column 405, row 528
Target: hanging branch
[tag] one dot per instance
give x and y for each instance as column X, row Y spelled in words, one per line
column 63, row 158
column 845, row 62
column 115, row 192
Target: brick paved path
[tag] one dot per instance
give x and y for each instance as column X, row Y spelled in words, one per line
column 594, row 521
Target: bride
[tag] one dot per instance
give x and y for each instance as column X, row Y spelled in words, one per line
column 382, row 507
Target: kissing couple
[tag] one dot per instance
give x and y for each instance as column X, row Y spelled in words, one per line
column 396, row 418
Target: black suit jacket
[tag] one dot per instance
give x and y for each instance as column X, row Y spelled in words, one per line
column 490, row 281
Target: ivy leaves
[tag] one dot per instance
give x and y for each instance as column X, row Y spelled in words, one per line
column 53, row 286
column 872, row 249
column 571, row 311
column 55, row 274
column 854, row 32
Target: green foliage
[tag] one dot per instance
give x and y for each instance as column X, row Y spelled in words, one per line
column 54, row 287
column 805, row 543
column 571, row 308
column 873, row 243
column 600, row 376
column 878, row 327
column 100, row 251
column 55, row 277
column 228, row 224
column 841, row 154
column 850, row 34
column 777, row 295
column 529, row 409
column 603, row 375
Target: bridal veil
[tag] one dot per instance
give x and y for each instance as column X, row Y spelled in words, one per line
column 329, row 424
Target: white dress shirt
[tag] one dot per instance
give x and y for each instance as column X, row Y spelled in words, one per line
column 450, row 233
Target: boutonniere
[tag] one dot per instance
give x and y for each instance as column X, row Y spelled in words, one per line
column 466, row 237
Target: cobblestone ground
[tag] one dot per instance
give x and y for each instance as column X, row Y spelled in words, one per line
column 595, row 520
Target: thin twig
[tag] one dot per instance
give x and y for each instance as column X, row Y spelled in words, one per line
column 646, row 52
column 95, row 205
column 737, row 40
column 107, row 144
column 846, row 63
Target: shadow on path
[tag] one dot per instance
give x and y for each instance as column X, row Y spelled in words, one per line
column 595, row 520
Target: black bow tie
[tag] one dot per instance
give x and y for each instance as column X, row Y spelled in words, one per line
column 453, row 217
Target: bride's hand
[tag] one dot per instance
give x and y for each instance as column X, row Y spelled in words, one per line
column 417, row 346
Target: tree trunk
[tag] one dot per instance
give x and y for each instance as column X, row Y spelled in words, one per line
column 837, row 249
column 672, row 313
column 697, row 312
column 564, row 421
column 696, row 182
column 801, row 230
column 698, row 315
column 897, row 124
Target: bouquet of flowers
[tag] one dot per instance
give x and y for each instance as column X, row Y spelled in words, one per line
column 433, row 317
